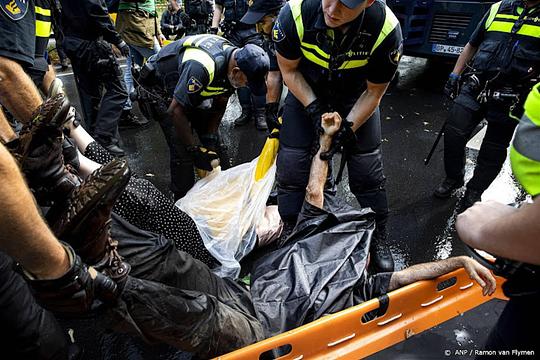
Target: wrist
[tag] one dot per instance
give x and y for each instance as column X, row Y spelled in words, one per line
column 454, row 76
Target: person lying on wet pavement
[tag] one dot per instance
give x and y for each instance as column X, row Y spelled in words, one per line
column 165, row 293
column 196, row 76
column 322, row 267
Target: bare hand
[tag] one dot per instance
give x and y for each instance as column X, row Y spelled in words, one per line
column 331, row 123
column 480, row 274
column 469, row 223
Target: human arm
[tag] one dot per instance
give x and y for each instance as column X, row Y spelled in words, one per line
column 181, row 123
column 318, row 173
column 502, row 230
column 366, row 104
column 295, row 81
column 432, row 270
column 24, row 235
column 466, row 55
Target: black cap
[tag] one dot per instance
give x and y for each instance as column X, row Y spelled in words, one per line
column 351, row 4
column 259, row 8
column 254, row 62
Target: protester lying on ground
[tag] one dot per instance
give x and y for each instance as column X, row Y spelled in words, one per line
column 144, row 206
column 322, row 267
column 164, row 295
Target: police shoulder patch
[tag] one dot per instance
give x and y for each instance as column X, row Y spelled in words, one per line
column 277, row 32
column 194, row 85
column 14, row 9
column 395, row 55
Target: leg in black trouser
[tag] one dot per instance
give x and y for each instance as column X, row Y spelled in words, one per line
column 516, row 328
column 28, row 331
column 459, row 127
column 493, row 150
column 171, row 297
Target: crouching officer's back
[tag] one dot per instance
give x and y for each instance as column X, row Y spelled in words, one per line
column 196, row 76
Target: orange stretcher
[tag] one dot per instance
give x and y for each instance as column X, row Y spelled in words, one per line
column 411, row 310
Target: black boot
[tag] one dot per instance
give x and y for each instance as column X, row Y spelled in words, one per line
column 469, row 198
column 447, row 187
column 112, row 147
column 39, row 152
column 381, row 257
column 85, row 222
column 260, row 119
column 128, row 120
column 244, row 117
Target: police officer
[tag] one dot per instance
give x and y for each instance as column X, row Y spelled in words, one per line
column 240, row 34
column 199, row 16
column 264, row 14
column 198, row 74
column 338, row 55
column 504, row 55
column 513, row 234
column 88, row 36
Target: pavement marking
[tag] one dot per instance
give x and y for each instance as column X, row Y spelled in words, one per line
column 71, row 72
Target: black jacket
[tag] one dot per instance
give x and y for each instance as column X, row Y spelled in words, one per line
column 88, row 20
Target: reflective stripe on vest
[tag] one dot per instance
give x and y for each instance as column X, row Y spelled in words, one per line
column 206, row 60
column 43, row 27
column 318, row 56
column 525, row 149
column 499, row 22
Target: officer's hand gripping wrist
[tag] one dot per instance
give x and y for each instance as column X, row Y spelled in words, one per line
column 314, row 110
column 213, row 30
column 344, row 139
column 203, row 158
column 80, row 290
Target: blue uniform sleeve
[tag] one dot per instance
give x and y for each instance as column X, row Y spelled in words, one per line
column 478, row 35
column 284, row 35
column 193, row 79
column 384, row 61
column 97, row 11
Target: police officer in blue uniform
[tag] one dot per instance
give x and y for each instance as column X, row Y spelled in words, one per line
column 504, row 56
column 336, row 55
column 88, row 36
column 197, row 75
column 263, row 14
column 240, row 34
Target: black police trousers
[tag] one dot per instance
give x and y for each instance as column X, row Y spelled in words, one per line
column 101, row 87
column 28, row 331
column 461, row 122
column 517, row 327
column 240, row 37
column 365, row 165
column 172, row 298
column 181, row 162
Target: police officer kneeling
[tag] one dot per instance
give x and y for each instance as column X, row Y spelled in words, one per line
column 505, row 63
column 198, row 74
column 336, row 56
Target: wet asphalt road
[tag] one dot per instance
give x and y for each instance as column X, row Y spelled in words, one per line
column 420, row 226
column 412, row 113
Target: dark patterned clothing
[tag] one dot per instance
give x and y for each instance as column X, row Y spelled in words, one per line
column 145, row 207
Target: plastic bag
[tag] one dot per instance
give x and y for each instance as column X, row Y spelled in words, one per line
column 227, row 206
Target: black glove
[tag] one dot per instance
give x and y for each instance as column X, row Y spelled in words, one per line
column 202, row 157
column 315, row 112
column 76, row 292
column 272, row 116
column 451, row 88
column 344, row 139
column 124, row 48
column 213, row 30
